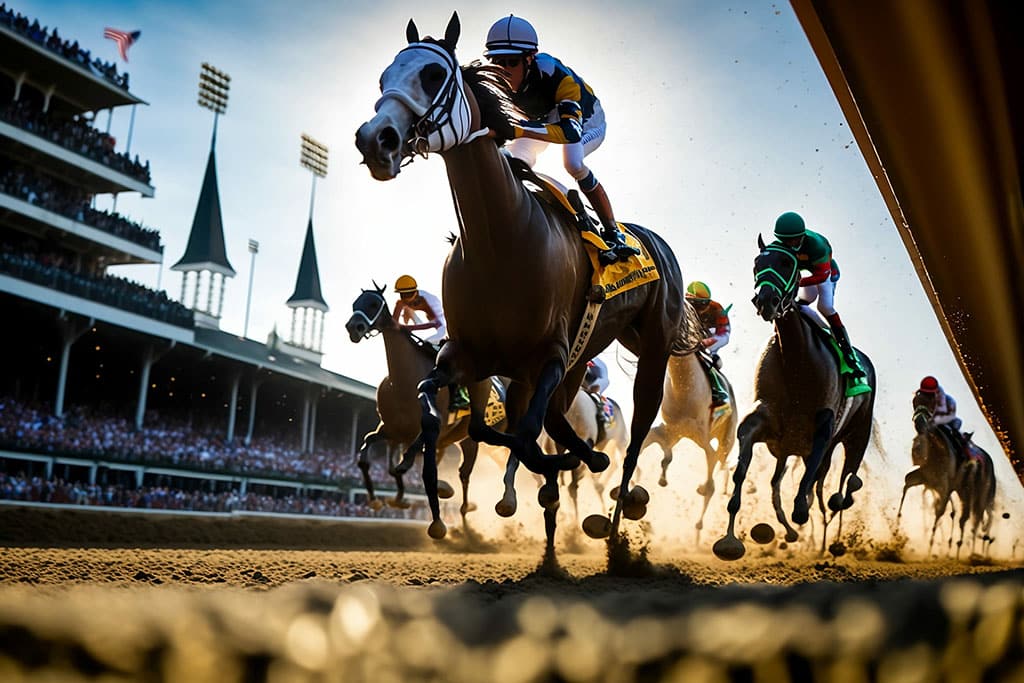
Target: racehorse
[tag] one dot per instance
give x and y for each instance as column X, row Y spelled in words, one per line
column 944, row 466
column 409, row 361
column 686, row 413
column 517, row 279
column 800, row 404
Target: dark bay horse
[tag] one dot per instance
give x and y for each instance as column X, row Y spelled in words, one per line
column 800, row 404
column 517, row 280
column 409, row 361
column 945, row 466
column 686, row 414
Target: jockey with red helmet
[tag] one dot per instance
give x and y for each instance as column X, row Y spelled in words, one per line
column 814, row 254
column 715, row 320
column 562, row 109
column 943, row 405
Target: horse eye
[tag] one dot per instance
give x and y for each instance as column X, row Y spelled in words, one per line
column 431, row 78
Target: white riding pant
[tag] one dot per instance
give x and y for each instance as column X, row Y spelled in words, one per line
column 824, row 293
column 594, row 129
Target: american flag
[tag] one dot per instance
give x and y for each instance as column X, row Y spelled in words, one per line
column 124, row 39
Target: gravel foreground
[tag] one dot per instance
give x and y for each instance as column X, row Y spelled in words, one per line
column 79, row 601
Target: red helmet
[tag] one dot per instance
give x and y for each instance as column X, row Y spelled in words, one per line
column 930, row 385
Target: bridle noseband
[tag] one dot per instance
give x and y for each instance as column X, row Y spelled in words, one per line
column 785, row 285
column 371, row 322
column 446, row 122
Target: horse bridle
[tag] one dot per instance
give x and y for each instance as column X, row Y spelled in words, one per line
column 446, row 122
column 786, row 286
column 371, row 322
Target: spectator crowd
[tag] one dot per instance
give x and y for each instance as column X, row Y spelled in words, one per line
column 75, row 134
column 28, row 185
column 70, row 50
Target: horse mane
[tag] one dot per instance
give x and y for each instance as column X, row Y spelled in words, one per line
column 493, row 96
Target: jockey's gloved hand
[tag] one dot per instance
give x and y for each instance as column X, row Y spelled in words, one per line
column 716, row 360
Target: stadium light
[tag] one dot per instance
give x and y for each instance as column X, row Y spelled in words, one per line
column 313, row 157
column 254, row 248
column 213, row 92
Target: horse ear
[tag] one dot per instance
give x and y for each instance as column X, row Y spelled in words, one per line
column 451, row 34
column 412, row 34
column 760, row 242
column 380, row 288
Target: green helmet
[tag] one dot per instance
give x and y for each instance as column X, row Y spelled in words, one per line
column 789, row 225
column 698, row 290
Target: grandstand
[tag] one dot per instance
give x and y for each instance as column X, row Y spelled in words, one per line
column 114, row 393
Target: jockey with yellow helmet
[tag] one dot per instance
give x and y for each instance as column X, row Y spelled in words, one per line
column 562, row 109
column 814, row 254
column 413, row 300
column 715, row 320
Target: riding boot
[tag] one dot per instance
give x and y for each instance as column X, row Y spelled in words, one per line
column 842, row 338
column 620, row 251
column 719, row 396
column 460, row 397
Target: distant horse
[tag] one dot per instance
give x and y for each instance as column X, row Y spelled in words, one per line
column 800, row 404
column 686, row 413
column 944, row 466
column 517, row 282
column 409, row 361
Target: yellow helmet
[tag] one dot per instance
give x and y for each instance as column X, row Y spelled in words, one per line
column 405, row 284
column 698, row 290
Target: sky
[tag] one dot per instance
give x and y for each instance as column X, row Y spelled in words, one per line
column 719, row 119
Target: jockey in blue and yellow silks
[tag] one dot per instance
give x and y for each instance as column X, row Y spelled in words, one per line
column 814, row 254
column 563, row 110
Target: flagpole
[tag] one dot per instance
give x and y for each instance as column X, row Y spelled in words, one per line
column 131, row 129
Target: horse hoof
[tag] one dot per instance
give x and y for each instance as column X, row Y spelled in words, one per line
column 399, row 503
column 548, row 496
column 854, row 483
column 837, row 549
column 800, row 516
column 835, row 502
column 728, row 548
column 699, row 525
column 597, row 526
column 444, row 489
column 599, row 462
column 762, row 533
column 637, row 495
column 791, row 537
column 614, row 493
column 634, row 511
column 375, row 504
column 437, row 530
column 467, row 508
column 505, row 508
column 663, row 482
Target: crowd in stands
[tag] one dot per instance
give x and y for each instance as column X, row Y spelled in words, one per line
column 57, row 490
column 75, row 134
column 28, row 185
column 62, row 271
column 88, row 431
column 70, row 50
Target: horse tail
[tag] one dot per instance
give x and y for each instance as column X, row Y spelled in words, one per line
column 875, row 441
column 690, row 332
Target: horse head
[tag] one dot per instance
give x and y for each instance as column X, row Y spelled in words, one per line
column 924, row 408
column 369, row 314
column 776, row 274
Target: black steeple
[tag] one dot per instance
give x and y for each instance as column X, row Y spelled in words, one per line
column 307, row 285
column 205, row 250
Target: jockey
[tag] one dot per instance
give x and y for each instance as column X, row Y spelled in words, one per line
column 814, row 254
column 596, row 381
column 944, row 405
column 411, row 300
column 715, row 320
column 562, row 109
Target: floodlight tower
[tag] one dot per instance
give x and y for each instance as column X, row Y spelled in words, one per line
column 206, row 252
column 307, row 297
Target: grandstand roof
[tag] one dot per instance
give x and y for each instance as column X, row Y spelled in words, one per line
column 307, row 285
column 206, row 250
column 44, row 68
column 255, row 353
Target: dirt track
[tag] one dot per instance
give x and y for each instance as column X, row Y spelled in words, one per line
column 412, row 612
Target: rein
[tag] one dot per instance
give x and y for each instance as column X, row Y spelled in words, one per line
column 446, row 122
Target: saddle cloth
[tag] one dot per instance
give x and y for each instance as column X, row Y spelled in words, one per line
column 495, row 410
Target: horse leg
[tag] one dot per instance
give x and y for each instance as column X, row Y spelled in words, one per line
column 823, row 423
column 729, row 547
column 914, row 478
column 430, row 429
column 707, row 489
column 469, row 450
column 559, row 429
column 550, row 523
column 364, row 464
column 506, row 507
column 648, row 390
column 780, row 514
column 854, row 447
column 574, row 492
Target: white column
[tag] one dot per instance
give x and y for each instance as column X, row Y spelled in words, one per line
column 220, row 306
column 233, row 405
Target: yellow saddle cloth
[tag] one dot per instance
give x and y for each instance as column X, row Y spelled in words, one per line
column 493, row 413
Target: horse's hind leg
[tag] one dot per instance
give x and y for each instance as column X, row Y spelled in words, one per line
column 364, row 463
column 824, row 421
column 707, row 489
column 659, row 435
column 729, row 547
column 469, row 450
column 780, row 514
column 854, row 447
column 914, row 478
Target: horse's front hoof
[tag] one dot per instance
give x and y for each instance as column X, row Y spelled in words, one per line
column 399, row 503
column 548, row 496
column 614, row 493
column 854, row 483
column 505, row 508
column 801, row 515
column 599, row 462
column 637, row 495
column 444, row 489
column 663, row 482
column 634, row 511
column 597, row 526
column 729, row 548
column 835, row 502
column 837, row 549
column 375, row 504
column 762, row 533
column 702, row 490
column 437, row 530
column 791, row 537
column 467, row 508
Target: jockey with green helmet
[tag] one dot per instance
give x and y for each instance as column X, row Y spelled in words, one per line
column 715, row 320
column 814, row 254
column 562, row 109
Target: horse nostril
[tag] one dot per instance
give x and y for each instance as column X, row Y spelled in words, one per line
column 388, row 139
